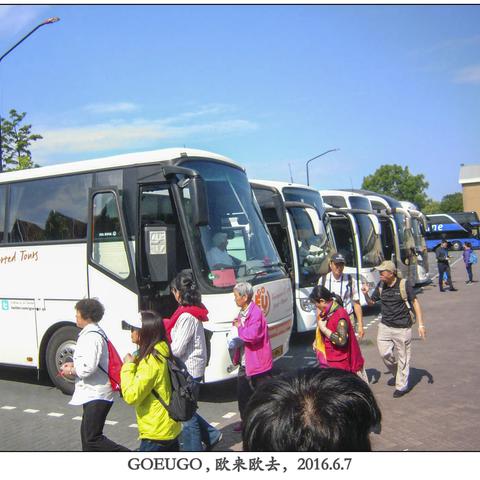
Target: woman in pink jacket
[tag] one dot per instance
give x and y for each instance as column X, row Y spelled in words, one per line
column 255, row 354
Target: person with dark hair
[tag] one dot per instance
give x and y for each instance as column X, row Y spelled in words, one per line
column 311, row 410
column 335, row 342
column 468, row 257
column 400, row 307
column 255, row 354
column 187, row 336
column 443, row 265
column 145, row 372
column 92, row 386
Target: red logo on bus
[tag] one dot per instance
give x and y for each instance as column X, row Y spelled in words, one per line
column 262, row 299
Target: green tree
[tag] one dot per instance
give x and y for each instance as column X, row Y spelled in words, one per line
column 432, row 206
column 452, row 202
column 399, row 183
column 16, row 141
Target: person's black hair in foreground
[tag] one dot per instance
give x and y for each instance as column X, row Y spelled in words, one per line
column 311, row 410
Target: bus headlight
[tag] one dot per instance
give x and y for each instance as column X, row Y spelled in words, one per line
column 306, row 305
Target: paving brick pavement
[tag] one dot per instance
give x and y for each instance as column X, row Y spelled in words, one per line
column 442, row 411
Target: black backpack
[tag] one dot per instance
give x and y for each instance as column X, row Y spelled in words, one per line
column 183, row 402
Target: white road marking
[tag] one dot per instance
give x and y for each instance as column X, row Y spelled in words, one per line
column 229, row 415
column 8, row 407
column 110, row 422
column 55, row 414
column 77, row 418
column 133, row 425
column 31, row 410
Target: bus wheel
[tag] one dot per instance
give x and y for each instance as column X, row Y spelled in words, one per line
column 60, row 349
column 457, row 246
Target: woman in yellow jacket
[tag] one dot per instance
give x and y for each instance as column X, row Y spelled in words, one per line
column 143, row 373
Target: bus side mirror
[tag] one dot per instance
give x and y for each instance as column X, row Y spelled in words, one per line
column 315, row 221
column 376, row 223
column 280, row 209
column 199, row 201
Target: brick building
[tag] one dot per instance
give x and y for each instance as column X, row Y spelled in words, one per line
column 470, row 181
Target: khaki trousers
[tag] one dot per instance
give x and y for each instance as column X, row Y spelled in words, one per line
column 398, row 362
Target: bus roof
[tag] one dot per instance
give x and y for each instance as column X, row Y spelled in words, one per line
column 115, row 161
column 390, row 201
column 282, row 185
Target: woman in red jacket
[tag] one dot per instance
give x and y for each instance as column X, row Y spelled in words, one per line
column 335, row 343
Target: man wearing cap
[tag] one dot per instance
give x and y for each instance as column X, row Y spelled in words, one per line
column 346, row 288
column 395, row 328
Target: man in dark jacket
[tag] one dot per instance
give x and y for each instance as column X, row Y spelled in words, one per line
column 444, row 266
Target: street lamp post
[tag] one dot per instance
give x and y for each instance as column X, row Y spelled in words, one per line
column 308, row 161
column 45, row 22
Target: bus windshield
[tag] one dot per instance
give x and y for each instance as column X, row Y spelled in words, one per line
column 360, row 203
column 310, row 197
column 370, row 246
column 235, row 245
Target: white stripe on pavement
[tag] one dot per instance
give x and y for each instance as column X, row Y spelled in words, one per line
column 8, row 407
column 31, row 410
column 55, row 414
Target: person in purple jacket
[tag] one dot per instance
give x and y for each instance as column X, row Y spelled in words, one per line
column 255, row 354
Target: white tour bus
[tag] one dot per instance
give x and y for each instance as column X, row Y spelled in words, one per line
column 294, row 215
column 397, row 236
column 357, row 235
column 419, row 229
column 119, row 229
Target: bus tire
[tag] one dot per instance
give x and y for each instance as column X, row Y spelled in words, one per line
column 457, row 246
column 60, row 349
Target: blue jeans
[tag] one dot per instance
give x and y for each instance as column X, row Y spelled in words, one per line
column 158, row 446
column 197, row 430
column 469, row 271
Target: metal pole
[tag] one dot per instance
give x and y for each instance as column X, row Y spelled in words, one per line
column 308, row 161
column 46, row 22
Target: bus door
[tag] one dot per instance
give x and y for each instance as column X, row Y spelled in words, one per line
column 111, row 275
column 387, row 237
column 161, row 247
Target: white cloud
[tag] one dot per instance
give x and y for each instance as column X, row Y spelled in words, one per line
column 118, row 135
column 118, row 107
column 468, row 75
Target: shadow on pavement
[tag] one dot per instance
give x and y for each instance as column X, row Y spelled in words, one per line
column 416, row 375
column 219, row 392
column 28, row 375
column 373, row 375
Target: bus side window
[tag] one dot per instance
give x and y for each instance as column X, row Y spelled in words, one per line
column 108, row 245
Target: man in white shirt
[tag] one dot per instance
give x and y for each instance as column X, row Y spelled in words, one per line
column 345, row 286
column 218, row 256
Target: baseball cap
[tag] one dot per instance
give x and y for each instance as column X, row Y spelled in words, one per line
column 387, row 265
column 338, row 258
column 134, row 323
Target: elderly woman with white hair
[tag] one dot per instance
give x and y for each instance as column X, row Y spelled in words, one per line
column 255, row 354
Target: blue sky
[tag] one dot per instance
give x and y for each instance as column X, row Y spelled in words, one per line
column 267, row 86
